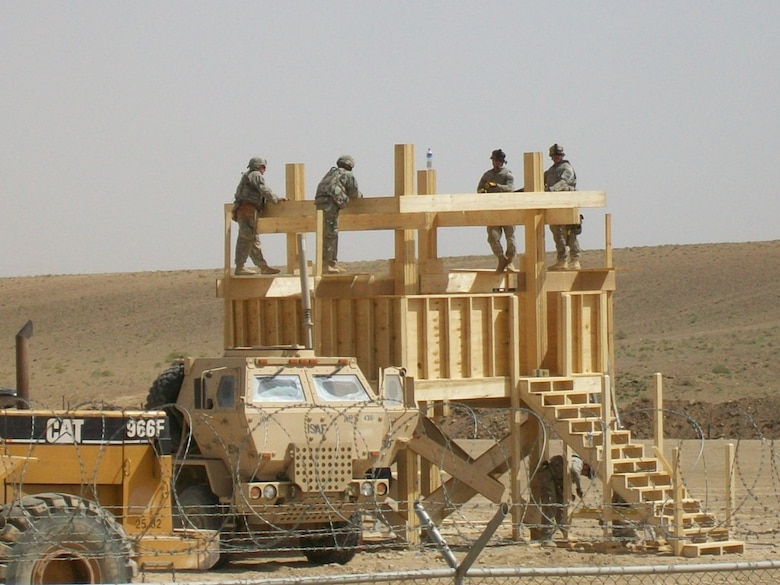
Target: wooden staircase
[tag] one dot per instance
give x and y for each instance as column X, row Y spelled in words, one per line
column 652, row 490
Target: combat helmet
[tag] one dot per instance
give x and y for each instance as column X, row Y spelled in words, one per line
column 256, row 162
column 498, row 154
column 345, row 161
column 557, row 149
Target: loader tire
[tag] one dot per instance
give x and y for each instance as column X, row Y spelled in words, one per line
column 197, row 507
column 338, row 543
column 61, row 538
column 163, row 394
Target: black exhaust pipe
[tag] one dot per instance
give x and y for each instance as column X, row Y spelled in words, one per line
column 23, row 366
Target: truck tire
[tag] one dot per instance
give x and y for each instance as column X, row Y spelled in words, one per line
column 338, row 543
column 61, row 538
column 164, row 393
column 198, row 507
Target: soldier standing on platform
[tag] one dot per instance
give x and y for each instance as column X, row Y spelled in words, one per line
column 561, row 177
column 334, row 191
column 499, row 179
column 250, row 199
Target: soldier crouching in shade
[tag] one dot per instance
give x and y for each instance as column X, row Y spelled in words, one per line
column 250, row 199
column 561, row 177
column 334, row 191
column 499, row 179
column 547, row 494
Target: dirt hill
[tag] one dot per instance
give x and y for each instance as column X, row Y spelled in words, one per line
column 706, row 316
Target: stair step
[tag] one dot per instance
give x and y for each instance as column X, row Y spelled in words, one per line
column 644, row 479
column 634, row 464
column 565, row 398
column 628, row 458
column 577, row 411
column 697, row 549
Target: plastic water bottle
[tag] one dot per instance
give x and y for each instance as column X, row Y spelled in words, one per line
column 429, row 159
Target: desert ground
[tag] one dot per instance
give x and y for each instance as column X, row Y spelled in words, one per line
column 705, row 316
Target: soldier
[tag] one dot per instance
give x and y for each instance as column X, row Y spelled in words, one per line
column 499, row 179
column 561, row 177
column 334, row 191
column 251, row 196
column 547, row 492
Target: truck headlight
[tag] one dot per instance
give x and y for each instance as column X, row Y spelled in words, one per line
column 269, row 492
column 367, row 489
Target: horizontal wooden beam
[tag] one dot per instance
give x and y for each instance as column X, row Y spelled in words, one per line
column 431, row 211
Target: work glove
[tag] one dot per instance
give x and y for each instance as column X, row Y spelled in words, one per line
column 490, row 184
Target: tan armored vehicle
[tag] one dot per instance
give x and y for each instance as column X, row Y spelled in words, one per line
column 278, row 448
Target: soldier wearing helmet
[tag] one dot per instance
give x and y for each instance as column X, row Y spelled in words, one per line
column 334, row 191
column 251, row 196
column 547, row 493
column 499, row 179
column 561, row 177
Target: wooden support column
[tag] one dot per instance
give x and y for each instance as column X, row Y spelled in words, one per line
column 535, row 272
column 658, row 414
column 404, row 264
column 294, row 191
column 428, row 238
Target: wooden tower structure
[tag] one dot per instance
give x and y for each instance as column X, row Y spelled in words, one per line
column 533, row 339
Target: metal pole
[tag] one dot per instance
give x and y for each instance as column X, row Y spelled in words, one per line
column 435, row 535
column 305, row 297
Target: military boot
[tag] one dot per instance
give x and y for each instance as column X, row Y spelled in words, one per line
column 241, row 271
column 559, row 265
column 265, row 269
column 502, row 263
column 333, row 268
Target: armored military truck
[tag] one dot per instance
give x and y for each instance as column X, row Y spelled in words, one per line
column 281, row 449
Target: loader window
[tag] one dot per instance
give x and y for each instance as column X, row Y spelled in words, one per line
column 340, row 388
column 280, row 388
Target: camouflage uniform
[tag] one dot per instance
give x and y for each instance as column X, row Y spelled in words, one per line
column 334, row 191
column 547, row 494
column 251, row 196
column 561, row 177
column 499, row 180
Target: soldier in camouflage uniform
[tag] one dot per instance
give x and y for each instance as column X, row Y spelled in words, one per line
column 334, row 191
column 499, row 179
column 547, row 494
column 561, row 177
column 251, row 196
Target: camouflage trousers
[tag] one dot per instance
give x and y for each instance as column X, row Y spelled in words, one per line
column 549, row 513
column 494, row 239
column 248, row 243
column 565, row 236
column 330, row 234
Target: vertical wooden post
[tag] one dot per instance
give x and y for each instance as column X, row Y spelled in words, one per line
column 608, row 240
column 606, row 446
column 227, row 306
column 407, row 465
column 677, row 488
column 658, row 414
column 294, row 191
column 428, row 238
column 404, row 265
column 730, row 493
column 536, row 298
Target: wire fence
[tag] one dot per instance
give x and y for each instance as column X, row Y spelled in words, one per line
column 75, row 450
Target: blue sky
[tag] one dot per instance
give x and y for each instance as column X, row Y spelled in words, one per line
column 125, row 126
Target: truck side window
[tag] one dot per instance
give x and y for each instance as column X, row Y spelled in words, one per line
column 340, row 388
column 226, row 392
column 281, row 388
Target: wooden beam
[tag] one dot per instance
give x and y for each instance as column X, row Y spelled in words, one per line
column 295, row 190
column 404, row 267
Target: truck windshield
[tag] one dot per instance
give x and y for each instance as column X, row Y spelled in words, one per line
column 277, row 389
column 340, row 388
